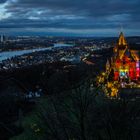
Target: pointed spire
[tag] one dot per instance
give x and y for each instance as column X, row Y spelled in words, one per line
column 107, row 65
column 122, row 40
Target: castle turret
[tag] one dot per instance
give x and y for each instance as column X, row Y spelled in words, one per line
column 122, row 41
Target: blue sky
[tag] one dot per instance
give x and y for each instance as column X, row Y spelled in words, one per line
column 66, row 17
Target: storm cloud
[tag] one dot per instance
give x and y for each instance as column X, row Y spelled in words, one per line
column 93, row 17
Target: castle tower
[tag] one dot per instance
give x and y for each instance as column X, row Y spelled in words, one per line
column 122, row 41
column 124, row 64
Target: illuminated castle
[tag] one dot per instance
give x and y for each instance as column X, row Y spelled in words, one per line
column 125, row 62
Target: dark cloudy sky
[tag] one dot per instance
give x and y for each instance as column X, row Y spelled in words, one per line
column 70, row 17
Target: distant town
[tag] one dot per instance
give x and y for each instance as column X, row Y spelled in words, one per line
column 26, row 51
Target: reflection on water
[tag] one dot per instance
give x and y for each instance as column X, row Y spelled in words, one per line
column 57, row 45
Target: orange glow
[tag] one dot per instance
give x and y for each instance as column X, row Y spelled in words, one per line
column 125, row 62
column 122, row 40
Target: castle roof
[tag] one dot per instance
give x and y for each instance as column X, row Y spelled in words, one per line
column 123, row 49
column 122, row 41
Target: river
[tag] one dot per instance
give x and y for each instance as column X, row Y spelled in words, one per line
column 9, row 54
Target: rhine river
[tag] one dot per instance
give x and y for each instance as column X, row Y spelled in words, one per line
column 10, row 54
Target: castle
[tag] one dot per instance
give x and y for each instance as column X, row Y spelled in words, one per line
column 125, row 63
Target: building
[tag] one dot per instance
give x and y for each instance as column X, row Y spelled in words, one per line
column 124, row 64
column 1, row 38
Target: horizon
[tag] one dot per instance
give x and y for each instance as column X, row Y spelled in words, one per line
column 64, row 35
